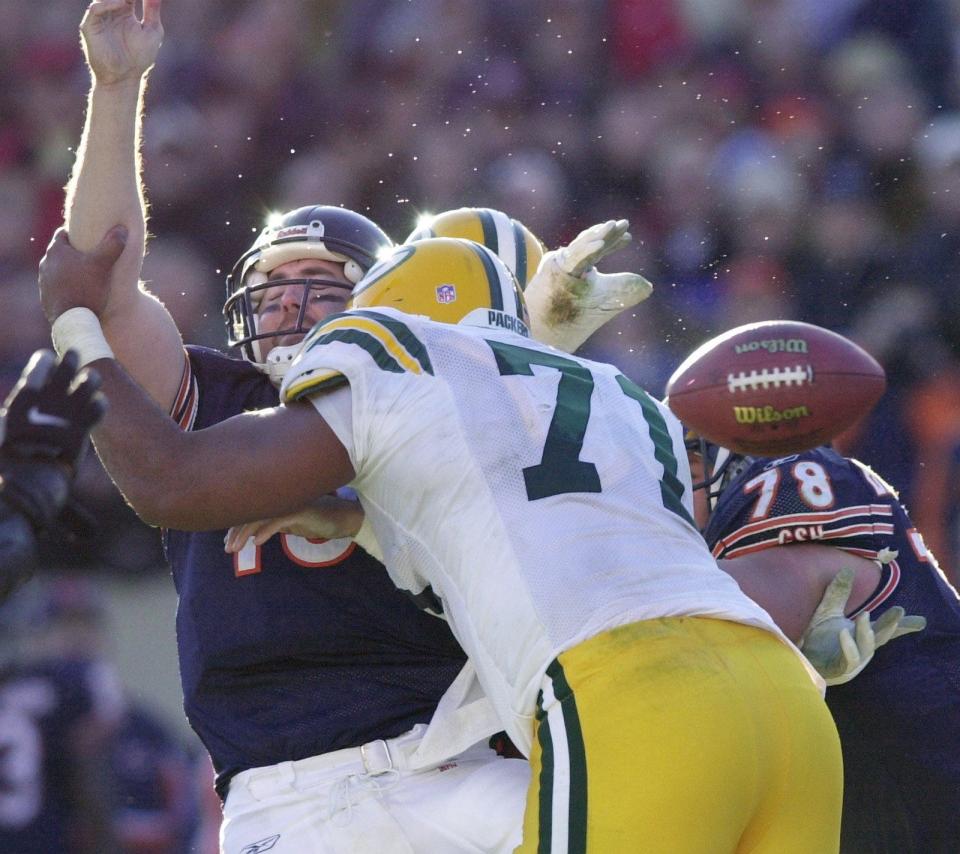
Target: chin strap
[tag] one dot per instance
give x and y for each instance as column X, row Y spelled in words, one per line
column 277, row 362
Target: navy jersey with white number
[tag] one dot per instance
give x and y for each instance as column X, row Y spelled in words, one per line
column 298, row 647
column 52, row 713
column 899, row 720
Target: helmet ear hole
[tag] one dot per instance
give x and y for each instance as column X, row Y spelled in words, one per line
column 353, row 271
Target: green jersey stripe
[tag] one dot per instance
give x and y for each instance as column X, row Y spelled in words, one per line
column 365, row 340
column 413, row 345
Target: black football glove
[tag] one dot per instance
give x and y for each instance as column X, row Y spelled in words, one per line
column 50, row 411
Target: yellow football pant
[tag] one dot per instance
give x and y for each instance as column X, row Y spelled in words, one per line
column 683, row 735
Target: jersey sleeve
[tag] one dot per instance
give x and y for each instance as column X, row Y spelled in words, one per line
column 379, row 355
column 345, row 346
column 815, row 497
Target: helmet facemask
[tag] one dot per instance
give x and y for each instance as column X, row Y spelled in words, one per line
column 721, row 467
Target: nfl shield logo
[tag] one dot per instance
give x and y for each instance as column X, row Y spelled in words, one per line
column 446, row 293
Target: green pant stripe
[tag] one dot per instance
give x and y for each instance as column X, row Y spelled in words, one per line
column 545, row 821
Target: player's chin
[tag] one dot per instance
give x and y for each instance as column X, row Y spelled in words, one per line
column 290, row 340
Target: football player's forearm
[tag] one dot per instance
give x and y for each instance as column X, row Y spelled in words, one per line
column 175, row 479
column 105, row 188
column 142, row 450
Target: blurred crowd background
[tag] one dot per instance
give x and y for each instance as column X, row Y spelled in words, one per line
column 776, row 158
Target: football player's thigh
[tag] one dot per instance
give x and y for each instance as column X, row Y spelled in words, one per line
column 297, row 821
column 471, row 804
column 681, row 742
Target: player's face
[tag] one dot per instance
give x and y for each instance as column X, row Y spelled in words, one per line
column 280, row 306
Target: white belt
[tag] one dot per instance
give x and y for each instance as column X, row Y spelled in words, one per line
column 372, row 759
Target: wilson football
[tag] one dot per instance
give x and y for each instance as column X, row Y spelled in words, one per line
column 774, row 388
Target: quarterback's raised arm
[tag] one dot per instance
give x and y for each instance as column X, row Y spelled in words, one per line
column 105, row 190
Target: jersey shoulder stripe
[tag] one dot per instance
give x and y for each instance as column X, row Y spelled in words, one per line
column 184, row 408
column 833, row 519
column 389, row 342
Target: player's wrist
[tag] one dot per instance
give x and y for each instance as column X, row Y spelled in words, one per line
column 79, row 329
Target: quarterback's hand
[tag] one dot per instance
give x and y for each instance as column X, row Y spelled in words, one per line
column 328, row 518
column 119, row 46
column 70, row 278
column 569, row 299
column 839, row 648
column 50, row 411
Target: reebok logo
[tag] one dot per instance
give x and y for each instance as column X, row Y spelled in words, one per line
column 41, row 419
column 261, row 845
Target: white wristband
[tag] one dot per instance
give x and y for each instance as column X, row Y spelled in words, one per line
column 79, row 329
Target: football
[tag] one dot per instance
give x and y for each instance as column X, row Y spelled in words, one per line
column 774, row 388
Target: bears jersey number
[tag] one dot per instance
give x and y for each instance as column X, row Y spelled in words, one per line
column 313, row 554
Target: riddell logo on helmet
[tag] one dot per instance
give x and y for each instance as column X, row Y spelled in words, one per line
column 292, row 231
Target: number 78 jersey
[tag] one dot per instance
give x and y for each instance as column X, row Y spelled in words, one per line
column 536, row 498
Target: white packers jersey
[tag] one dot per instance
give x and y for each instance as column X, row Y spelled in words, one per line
column 537, row 497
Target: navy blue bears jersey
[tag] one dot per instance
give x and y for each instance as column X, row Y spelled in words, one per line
column 899, row 720
column 297, row 647
column 153, row 775
column 55, row 715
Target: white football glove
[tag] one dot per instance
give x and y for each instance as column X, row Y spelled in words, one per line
column 835, row 652
column 569, row 299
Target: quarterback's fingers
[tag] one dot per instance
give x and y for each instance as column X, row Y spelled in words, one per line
column 151, row 12
column 103, row 7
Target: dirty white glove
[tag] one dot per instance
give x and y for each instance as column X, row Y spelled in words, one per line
column 839, row 648
column 569, row 299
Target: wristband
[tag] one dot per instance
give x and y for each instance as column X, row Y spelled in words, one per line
column 79, row 329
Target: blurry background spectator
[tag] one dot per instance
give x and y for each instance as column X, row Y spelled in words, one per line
column 789, row 158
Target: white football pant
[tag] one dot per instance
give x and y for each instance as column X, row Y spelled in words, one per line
column 367, row 800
